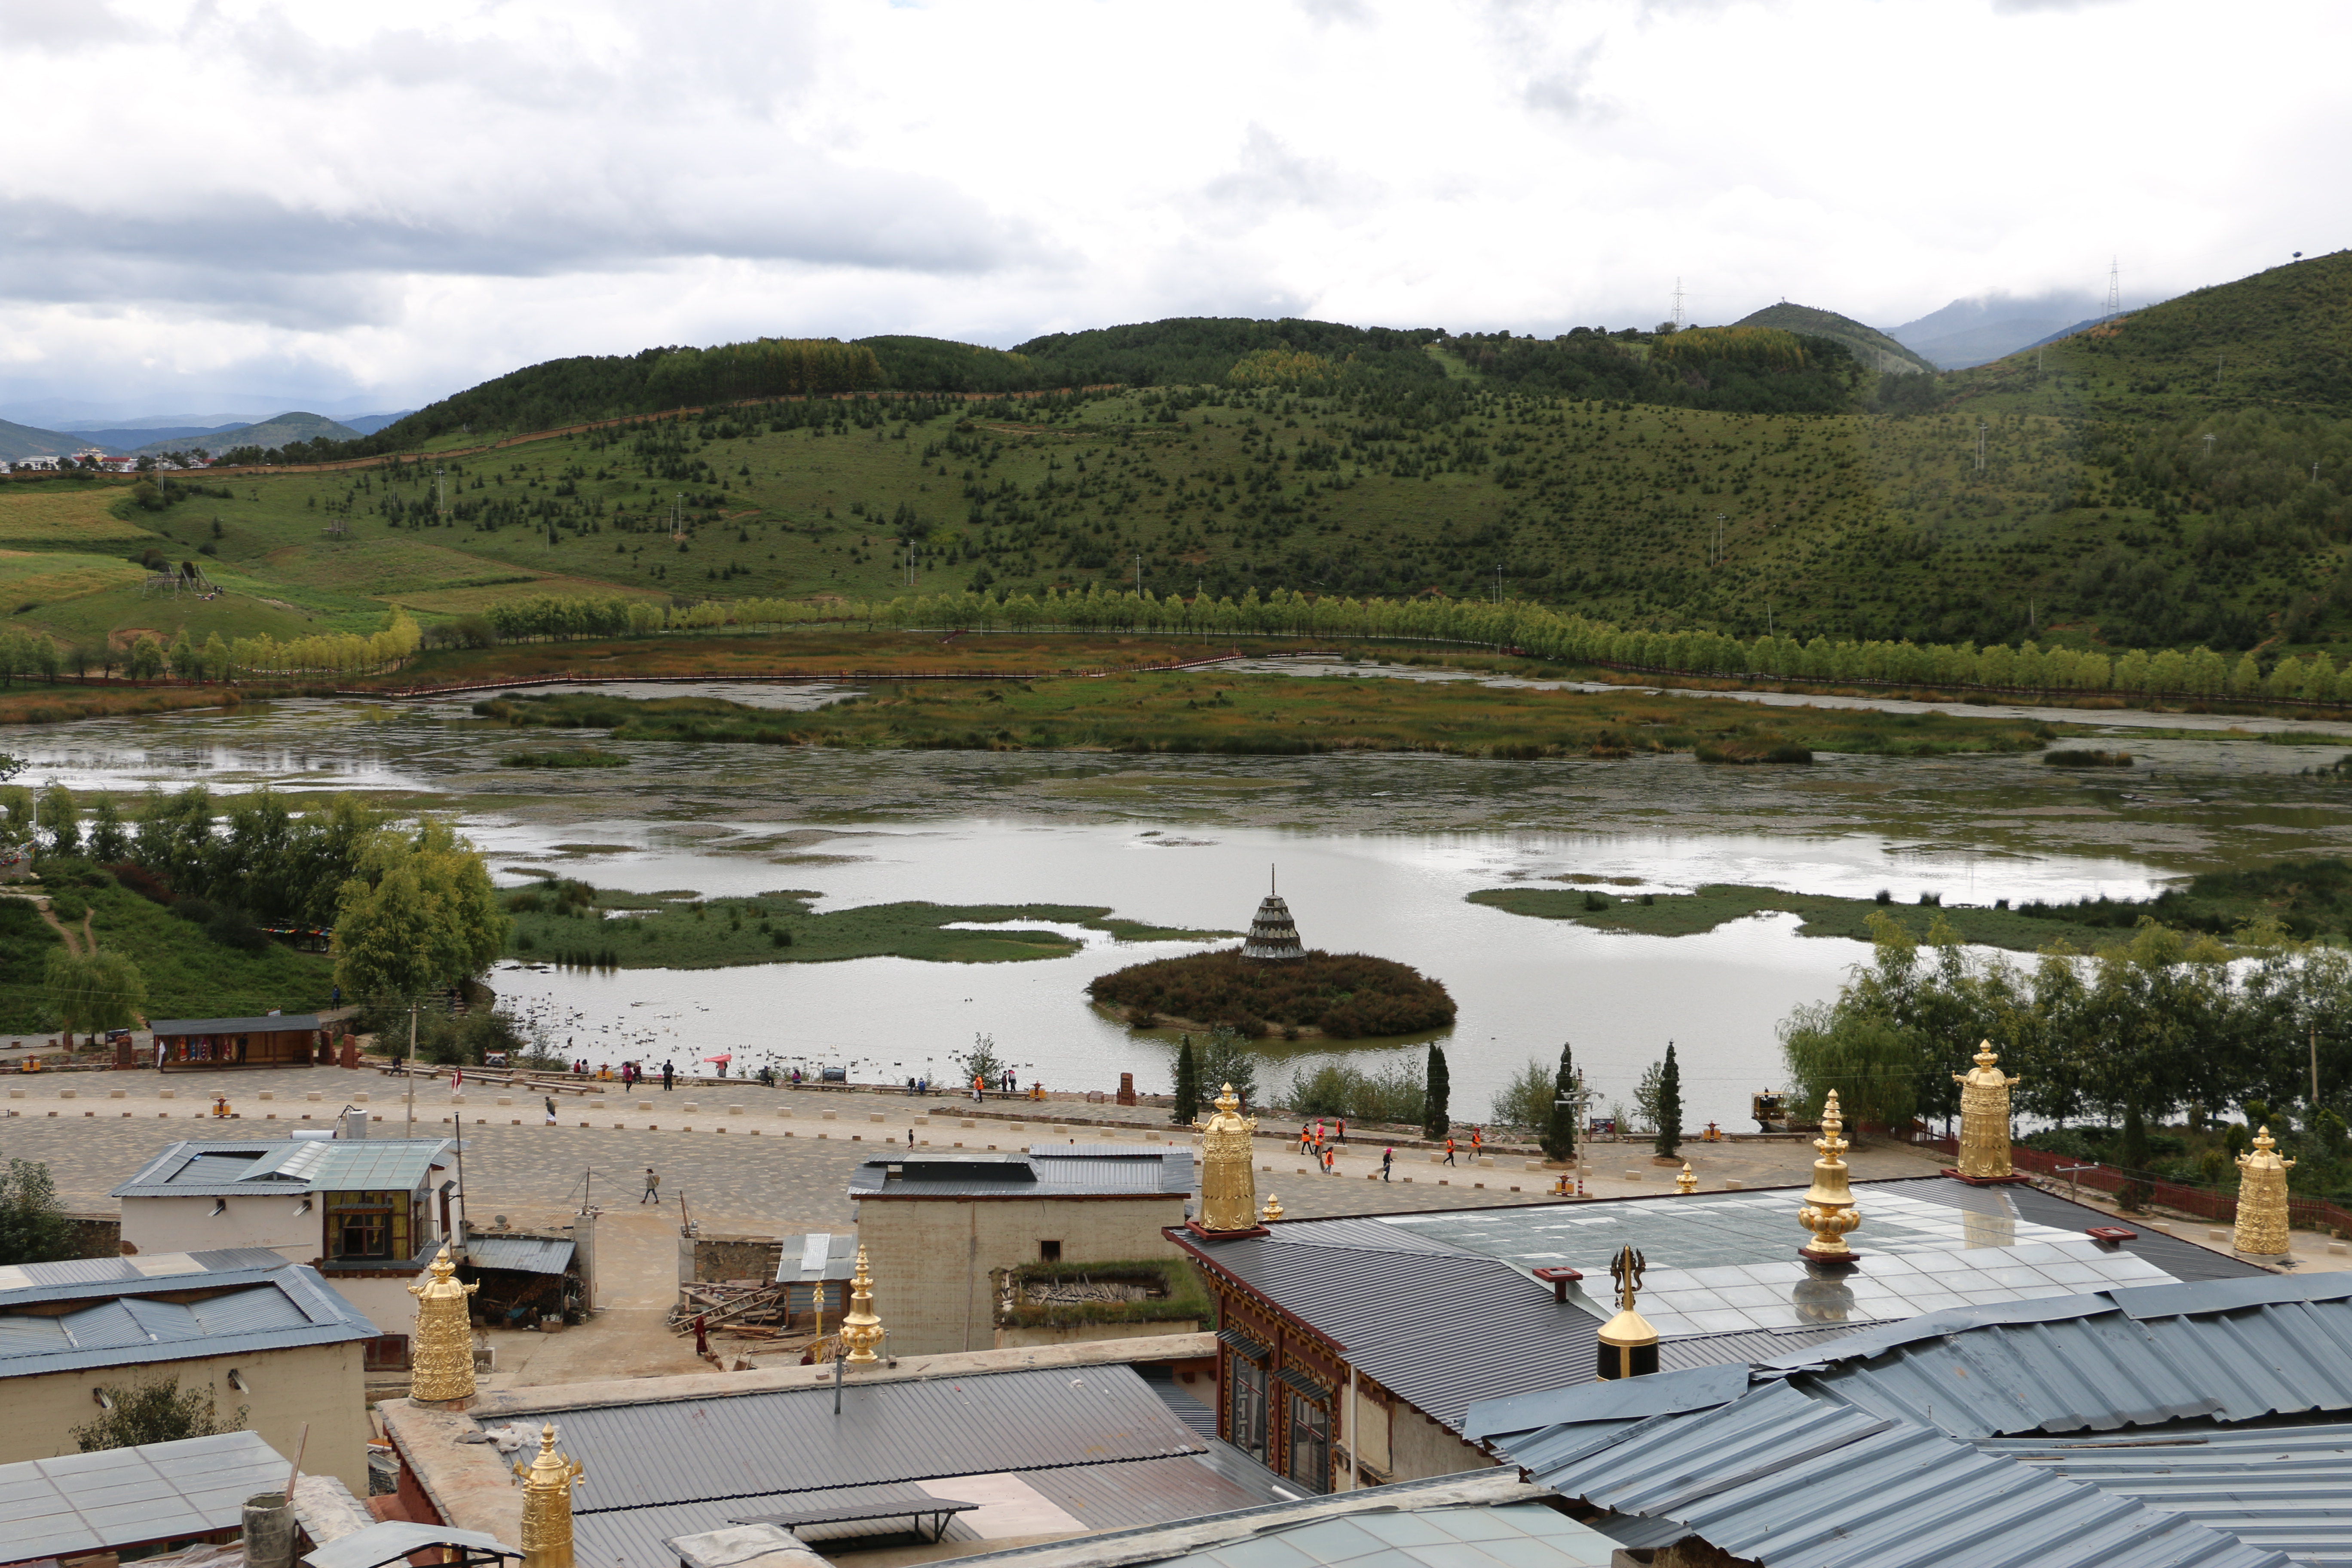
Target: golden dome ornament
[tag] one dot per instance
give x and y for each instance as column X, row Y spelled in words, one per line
column 861, row 1331
column 1228, row 1176
column 441, row 1362
column 547, row 1504
column 1829, row 1212
column 2261, row 1228
column 1629, row 1345
column 1984, row 1119
column 1273, row 1210
column 1686, row 1180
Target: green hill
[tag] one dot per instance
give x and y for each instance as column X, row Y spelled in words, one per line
column 1872, row 347
column 29, row 441
column 273, row 433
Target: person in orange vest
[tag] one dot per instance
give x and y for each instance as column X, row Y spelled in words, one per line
column 1477, row 1142
column 1330, row 1159
column 1306, row 1137
column 1449, row 1151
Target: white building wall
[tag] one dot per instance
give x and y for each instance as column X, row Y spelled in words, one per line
column 188, row 1225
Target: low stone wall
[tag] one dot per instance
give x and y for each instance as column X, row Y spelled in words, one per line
column 97, row 1234
column 1077, row 1334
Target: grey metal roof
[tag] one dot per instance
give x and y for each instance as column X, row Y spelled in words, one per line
column 2288, row 1489
column 524, row 1254
column 231, row 1311
column 1047, row 1170
column 820, row 1256
column 2180, row 1258
column 234, row 1026
column 125, row 1496
column 24, row 1282
column 1519, row 1535
column 786, row 1441
column 1445, row 1330
column 1781, row 1477
column 393, row 1540
column 252, row 1167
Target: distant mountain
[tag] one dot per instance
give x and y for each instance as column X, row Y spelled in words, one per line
column 275, row 431
column 1974, row 330
column 156, row 425
column 131, row 437
column 18, row 441
column 368, row 423
column 1874, row 347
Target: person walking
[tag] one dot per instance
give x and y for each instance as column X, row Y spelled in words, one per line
column 1477, row 1142
column 1449, row 1151
column 669, row 1075
column 653, row 1189
column 1343, row 1130
column 1388, row 1164
column 1331, row 1160
column 551, row 1110
column 911, row 1139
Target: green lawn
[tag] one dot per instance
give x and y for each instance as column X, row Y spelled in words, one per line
column 188, row 974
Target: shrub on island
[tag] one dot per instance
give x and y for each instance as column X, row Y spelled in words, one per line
column 1347, row 996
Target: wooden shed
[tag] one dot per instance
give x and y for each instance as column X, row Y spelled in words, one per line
column 280, row 1039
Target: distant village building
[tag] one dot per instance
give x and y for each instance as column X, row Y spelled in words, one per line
column 240, row 1324
column 935, row 1229
column 367, row 1214
column 276, row 1040
column 1272, row 934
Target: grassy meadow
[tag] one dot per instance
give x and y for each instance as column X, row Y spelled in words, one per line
column 1212, row 711
column 1703, row 910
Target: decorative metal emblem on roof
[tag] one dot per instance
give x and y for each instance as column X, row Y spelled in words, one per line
column 547, row 1503
column 1829, row 1212
column 1984, row 1116
column 442, row 1359
column 2261, row 1200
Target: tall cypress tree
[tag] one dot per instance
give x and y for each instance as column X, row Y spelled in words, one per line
column 1670, row 1106
column 1188, row 1086
column 1437, row 1120
column 1560, row 1132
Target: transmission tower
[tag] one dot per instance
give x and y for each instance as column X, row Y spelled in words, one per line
column 2115, row 289
column 1678, row 304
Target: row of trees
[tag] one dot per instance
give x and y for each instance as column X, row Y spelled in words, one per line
column 30, row 654
column 2158, row 1025
column 1533, row 629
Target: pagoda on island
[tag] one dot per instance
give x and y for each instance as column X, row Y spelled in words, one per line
column 1271, row 935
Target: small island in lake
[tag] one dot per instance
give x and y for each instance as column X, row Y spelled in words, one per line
column 1273, row 983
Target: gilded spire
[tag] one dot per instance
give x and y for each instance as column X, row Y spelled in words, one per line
column 441, row 1358
column 2261, row 1200
column 1228, row 1175
column 1629, row 1345
column 1686, row 1180
column 1272, row 1212
column 1829, row 1211
column 1984, row 1116
column 861, row 1331
column 547, row 1505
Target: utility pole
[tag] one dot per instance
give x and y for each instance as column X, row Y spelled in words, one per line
column 1499, row 583
column 441, row 494
column 1980, row 436
column 1138, row 571
column 2315, row 1070
column 2208, row 445
column 1678, row 304
column 1718, row 539
column 2115, row 289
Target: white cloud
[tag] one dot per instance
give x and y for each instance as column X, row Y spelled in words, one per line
column 343, row 198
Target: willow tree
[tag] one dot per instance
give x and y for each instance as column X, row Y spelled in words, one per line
column 418, row 917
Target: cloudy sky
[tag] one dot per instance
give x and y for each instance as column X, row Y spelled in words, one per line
column 371, row 205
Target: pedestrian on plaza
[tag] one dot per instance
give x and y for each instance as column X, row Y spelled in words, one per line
column 911, row 1088
column 910, row 1139
column 669, row 1075
column 1477, row 1140
column 701, row 1335
column 1449, row 1151
column 1330, row 1161
column 551, row 1110
column 1343, row 1130
column 653, row 1189
column 1388, row 1164
column 1306, row 1137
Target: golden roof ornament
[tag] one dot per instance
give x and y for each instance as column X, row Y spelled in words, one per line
column 1228, row 1173
column 1629, row 1345
column 1272, row 1212
column 547, row 1504
column 1829, row 1211
column 1984, row 1117
column 441, row 1359
column 2261, row 1200
column 861, row 1331
column 1686, row 1179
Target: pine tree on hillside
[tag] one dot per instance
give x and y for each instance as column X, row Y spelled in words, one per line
column 1438, row 1118
column 1559, row 1128
column 1670, row 1106
column 1187, row 1108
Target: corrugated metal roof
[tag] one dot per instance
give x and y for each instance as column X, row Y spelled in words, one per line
column 820, row 1256
column 1781, row 1477
column 1518, row 1535
column 1048, row 1170
column 789, row 1441
column 248, row 1167
column 23, row 1283
column 524, row 1254
column 2288, row 1489
column 2181, row 1260
column 121, row 1496
column 238, row 1310
column 234, row 1026
column 1445, row 1330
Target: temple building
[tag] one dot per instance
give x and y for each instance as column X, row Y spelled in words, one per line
column 1272, row 934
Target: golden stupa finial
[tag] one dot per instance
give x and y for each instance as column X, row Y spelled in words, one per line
column 1829, row 1211
column 2261, row 1200
column 1228, row 1175
column 1686, row 1179
column 1273, row 1210
column 1984, row 1116
column 1629, row 1345
column 547, row 1486
column 861, row 1331
column 441, row 1359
